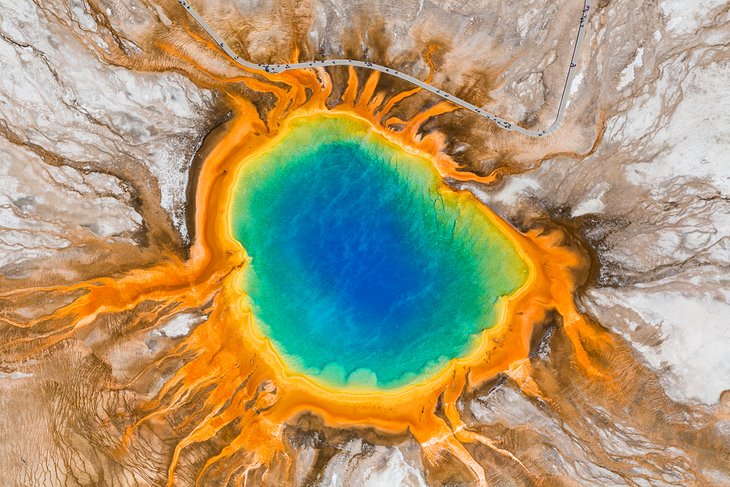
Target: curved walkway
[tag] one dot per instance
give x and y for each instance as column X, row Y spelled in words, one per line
column 504, row 124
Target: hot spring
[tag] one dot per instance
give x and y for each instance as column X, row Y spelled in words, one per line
column 365, row 270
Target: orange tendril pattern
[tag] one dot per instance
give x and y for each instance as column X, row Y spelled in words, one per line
column 231, row 373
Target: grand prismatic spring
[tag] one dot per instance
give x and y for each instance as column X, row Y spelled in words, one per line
column 364, row 268
column 343, row 278
column 215, row 275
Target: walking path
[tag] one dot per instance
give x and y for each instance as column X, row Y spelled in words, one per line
column 278, row 68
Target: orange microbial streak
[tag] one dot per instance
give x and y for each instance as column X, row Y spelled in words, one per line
column 235, row 377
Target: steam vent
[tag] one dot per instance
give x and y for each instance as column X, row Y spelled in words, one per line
column 358, row 244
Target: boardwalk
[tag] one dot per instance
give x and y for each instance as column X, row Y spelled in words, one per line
column 502, row 123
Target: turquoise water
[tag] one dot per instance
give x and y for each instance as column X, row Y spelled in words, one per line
column 364, row 271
